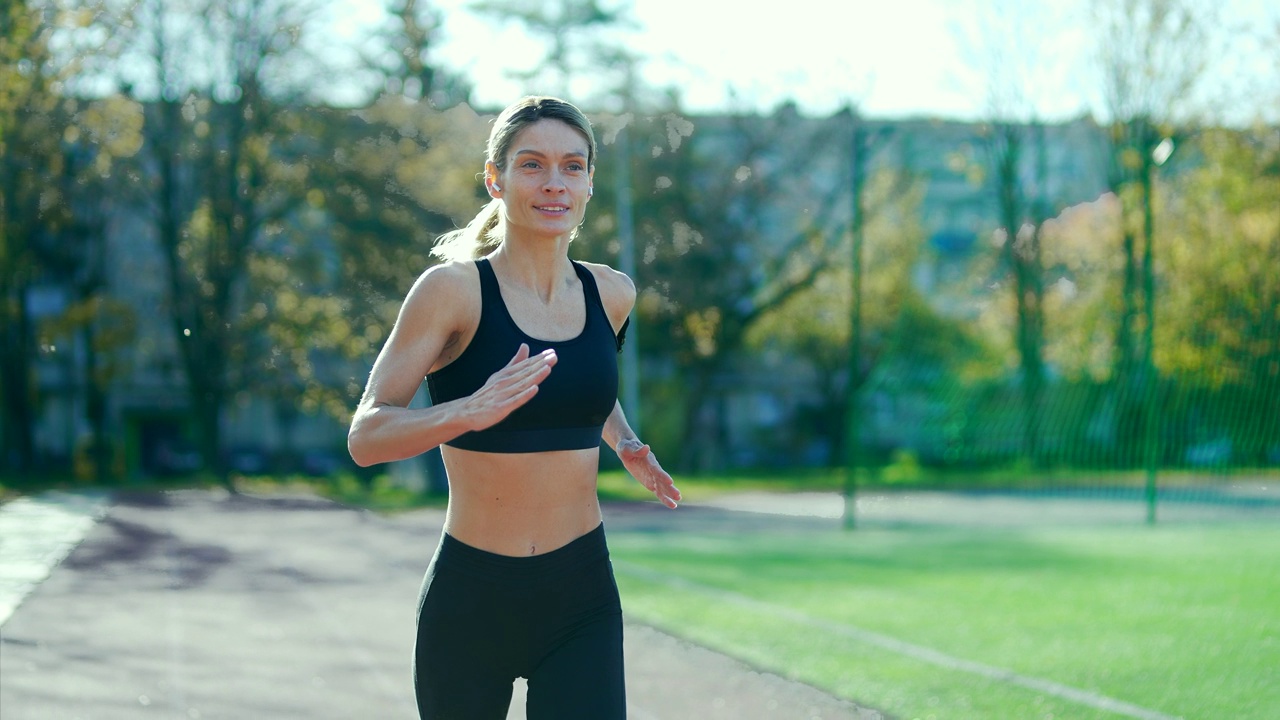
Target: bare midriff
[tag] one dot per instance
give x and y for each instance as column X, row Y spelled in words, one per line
column 521, row 504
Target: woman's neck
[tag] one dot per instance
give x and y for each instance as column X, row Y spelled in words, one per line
column 540, row 266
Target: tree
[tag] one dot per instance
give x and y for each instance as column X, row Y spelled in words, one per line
column 813, row 330
column 221, row 73
column 576, row 34
column 405, row 173
column 720, row 245
column 55, row 151
column 1152, row 54
column 403, row 57
column 26, row 97
column 1019, row 238
column 1222, row 335
column 100, row 135
column 1015, row 144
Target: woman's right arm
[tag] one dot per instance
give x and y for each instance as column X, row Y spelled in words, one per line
column 383, row 427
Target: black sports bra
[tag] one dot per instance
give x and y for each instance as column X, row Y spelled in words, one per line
column 572, row 403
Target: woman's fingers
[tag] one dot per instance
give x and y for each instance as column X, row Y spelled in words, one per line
column 509, row 388
column 519, row 373
column 521, row 354
column 645, row 468
column 521, row 369
column 665, row 488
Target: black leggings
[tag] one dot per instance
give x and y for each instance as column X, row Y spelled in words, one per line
column 485, row 619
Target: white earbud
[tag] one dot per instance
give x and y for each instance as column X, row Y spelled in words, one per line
column 591, row 191
column 497, row 188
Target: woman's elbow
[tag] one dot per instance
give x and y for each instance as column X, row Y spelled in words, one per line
column 358, row 447
column 360, row 459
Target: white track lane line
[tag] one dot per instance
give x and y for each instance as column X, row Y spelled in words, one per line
column 918, row 652
column 37, row 533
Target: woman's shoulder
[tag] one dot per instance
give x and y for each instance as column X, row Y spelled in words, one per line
column 453, row 284
column 617, row 291
column 446, row 278
column 610, row 281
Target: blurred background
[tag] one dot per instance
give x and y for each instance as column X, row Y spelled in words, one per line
column 948, row 244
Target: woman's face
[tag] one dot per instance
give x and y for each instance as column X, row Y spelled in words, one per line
column 547, row 183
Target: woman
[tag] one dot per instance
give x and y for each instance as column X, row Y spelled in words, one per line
column 519, row 347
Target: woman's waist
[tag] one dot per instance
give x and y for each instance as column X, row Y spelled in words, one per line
column 521, row 531
column 522, row 505
column 582, row 553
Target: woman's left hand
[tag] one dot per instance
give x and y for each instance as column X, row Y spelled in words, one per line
column 643, row 465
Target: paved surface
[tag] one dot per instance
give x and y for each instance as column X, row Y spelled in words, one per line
column 38, row 532
column 199, row 605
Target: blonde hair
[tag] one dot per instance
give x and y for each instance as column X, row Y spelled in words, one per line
column 486, row 230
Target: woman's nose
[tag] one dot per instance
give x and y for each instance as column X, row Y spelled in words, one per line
column 555, row 183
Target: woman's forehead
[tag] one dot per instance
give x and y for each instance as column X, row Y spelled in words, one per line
column 549, row 136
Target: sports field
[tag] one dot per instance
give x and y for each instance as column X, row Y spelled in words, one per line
column 1026, row 620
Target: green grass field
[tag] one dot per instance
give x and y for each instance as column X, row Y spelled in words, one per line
column 1175, row 621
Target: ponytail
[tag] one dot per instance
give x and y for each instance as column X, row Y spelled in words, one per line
column 475, row 240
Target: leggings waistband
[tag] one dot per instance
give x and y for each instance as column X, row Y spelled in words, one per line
column 455, row 555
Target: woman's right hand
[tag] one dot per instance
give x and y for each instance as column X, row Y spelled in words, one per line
column 509, row 388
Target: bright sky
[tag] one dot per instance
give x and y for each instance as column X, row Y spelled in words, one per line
column 894, row 59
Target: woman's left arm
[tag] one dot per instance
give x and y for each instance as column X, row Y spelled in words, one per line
column 638, row 459
column 618, row 293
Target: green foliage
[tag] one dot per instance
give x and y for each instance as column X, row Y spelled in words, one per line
column 910, row 346
column 1223, row 246
column 221, row 141
column 903, row 469
column 58, row 153
column 403, row 174
column 1219, row 332
column 292, row 232
column 717, row 249
column 815, row 320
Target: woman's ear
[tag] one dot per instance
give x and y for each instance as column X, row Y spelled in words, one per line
column 491, row 179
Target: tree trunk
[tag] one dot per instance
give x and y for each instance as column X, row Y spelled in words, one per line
column 17, row 386
column 96, row 408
